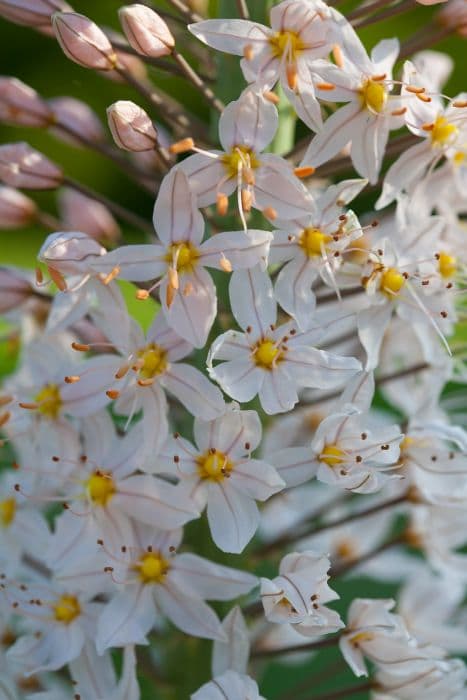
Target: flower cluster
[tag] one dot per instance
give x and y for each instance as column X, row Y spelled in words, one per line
column 292, row 414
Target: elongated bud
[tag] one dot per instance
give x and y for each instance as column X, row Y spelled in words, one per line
column 80, row 213
column 78, row 117
column 21, row 105
column 83, row 41
column 15, row 289
column 131, row 127
column 22, row 166
column 69, row 253
column 16, row 210
column 146, row 31
column 32, row 13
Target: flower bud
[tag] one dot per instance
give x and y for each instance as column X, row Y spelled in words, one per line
column 78, row 117
column 69, row 252
column 22, row 166
column 32, row 13
column 14, row 289
column 16, row 210
column 83, row 41
column 21, row 105
column 131, row 127
column 146, row 31
column 80, row 213
column 454, row 16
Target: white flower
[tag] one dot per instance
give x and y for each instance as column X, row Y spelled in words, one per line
column 154, row 580
column 220, row 474
column 298, row 595
column 270, row 361
column 229, row 686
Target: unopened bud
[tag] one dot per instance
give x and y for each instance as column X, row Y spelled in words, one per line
column 21, row 105
column 22, row 166
column 78, row 117
column 81, row 213
column 131, row 127
column 69, row 252
column 16, row 210
column 147, row 33
column 32, row 13
column 454, row 16
column 15, row 289
column 83, row 41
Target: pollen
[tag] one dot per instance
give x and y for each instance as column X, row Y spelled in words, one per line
column 442, row 132
column 182, row 256
column 49, row 401
column 100, row 488
column 241, row 158
column 373, row 96
column 313, row 242
column 7, row 511
column 66, row 609
column 267, row 354
column 287, row 42
column 447, row 265
column 154, row 361
column 152, row 568
column 392, row 282
column 332, row 455
column 214, row 465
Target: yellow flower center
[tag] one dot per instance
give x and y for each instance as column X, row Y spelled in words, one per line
column 373, row 96
column 286, row 42
column 66, row 609
column 332, row 455
column 240, row 158
column 362, row 637
column 391, row 282
column 154, row 361
column 7, row 511
column 100, row 488
column 447, row 265
column 182, row 256
column 443, row 132
column 267, row 354
column 214, row 465
column 458, row 158
column 49, row 401
column 313, row 242
column 152, row 568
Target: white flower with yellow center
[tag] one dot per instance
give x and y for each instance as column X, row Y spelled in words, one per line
column 312, row 246
column 300, row 33
column 443, row 129
column 344, row 452
column 219, row 473
column 178, row 261
column 365, row 84
column 105, row 496
column 59, row 620
column 270, row 361
column 151, row 579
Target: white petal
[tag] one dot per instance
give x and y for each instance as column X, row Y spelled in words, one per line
column 296, row 465
column 405, row 171
column 190, row 614
column 368, row 146
column 252, row 300
column 241, row 250
column 88, row 395
column 335, row 134
column 176, row 217
column 210, row 581
column 372, row 323
column 229, row 35
column 293, row 289
column 155, row 502
column 230, row 432
column 233, row 517
column 207, row 177
column 234, row 653
column 240, row 379
column 257, row 479
column 193, row 314
column 278, row 392
column 126, row 619
column 250, row 121
column 194, row 391
column 320, row 369
column 137, row 263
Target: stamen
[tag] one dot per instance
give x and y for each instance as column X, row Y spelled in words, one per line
column 338, row 55
column 304, row 172
column 112, row 275
column 248, row 52
column 182, row 146
column 81, row 347
column 222, row 204
column 57, row 278
column 72, row 379
column 225, row 264
column 112, row 394
column 271, row 97
column 325, row 86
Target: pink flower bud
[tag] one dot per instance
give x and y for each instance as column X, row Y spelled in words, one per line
column 22, row 166
column 131, row 127
column 454, row 15
column 77, row 117
column 16, row 210
column 430, row 2
column 80, row 213
column 146, row 31
column 21, row 105
column 69, row 252
column 15, row 289
column 83, row 41
column 32, row 13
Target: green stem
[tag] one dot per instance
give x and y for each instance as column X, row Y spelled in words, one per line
column 284, row 139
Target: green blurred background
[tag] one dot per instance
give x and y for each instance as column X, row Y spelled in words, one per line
column 39, row 62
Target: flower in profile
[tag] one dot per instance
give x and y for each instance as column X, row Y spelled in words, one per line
column 146, row 31
column 83, row 41
column 131, row 127
column 24, row 167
